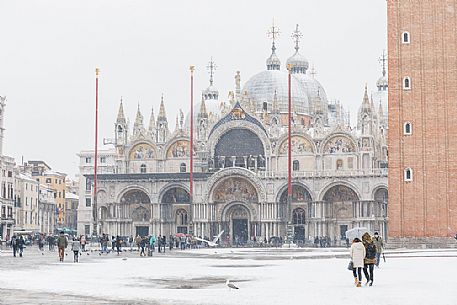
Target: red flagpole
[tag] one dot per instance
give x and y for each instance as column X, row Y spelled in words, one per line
column 94, row 206
column 191, row 150
column 289, row 141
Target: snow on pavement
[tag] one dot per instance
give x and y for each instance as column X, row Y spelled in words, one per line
column 281, row 276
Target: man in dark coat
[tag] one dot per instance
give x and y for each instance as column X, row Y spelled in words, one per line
column 14, row 244
column 20, row 245
column 62, row 243
column 164, row 242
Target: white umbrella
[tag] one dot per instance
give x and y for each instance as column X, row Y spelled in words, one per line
column 356, row 232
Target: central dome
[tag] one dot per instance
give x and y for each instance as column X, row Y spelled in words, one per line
column 262, row 86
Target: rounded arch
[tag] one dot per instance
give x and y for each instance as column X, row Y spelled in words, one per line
column 300, row 193
column 236, row 209
column 346, row 190
column 217, row 133
column 301, row 144
column 235, row 172
column 174, row 193
column 142, row 150
column 134, row 195
column 340, row 142
column 103, row 213
column 380, row 193
column 177, row 148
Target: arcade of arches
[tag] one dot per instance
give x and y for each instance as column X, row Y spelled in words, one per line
column 235, row 207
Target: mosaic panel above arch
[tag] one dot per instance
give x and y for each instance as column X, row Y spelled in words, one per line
column 340, row 193
column 142, row 151
column 299, row 194
column 300, row 145
column 179, row 149
column 176, row 195
column 135, row 197
column 235, row 189
column 339, row 144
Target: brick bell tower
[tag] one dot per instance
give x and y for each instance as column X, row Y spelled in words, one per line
column 422, row 61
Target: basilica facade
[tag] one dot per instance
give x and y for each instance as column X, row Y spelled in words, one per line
column 339, row 172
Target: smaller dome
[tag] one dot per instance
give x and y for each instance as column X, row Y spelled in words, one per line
column 382, row 83
column 299, row 64
column 273, row 62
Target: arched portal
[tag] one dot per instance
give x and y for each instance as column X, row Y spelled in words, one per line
column 135, row 204
column 340, row 202
column 237, row 217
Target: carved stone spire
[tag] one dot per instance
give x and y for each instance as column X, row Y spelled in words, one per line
column 162, row 114
column 120, row 115
column 152, row 121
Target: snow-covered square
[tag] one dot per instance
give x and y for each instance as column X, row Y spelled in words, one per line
column 264, row 276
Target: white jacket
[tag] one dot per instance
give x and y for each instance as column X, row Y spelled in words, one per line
column 358, row 254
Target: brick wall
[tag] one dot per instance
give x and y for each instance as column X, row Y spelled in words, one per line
column 426, row 206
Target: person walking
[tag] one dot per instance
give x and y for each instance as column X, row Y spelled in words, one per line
column 379, row 243
column 138, row 242
column 82, row 241
column 118, row 244
column 75, row 247
column 62, row 243
column 357, row 257
column 370, row 258
column 152, row 241
column 142, row 246
column 164, row 242
column 170, row 242
column 14, row 244
column 20, row 245
column 159, row 243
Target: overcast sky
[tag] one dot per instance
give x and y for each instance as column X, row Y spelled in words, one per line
column 50, row 49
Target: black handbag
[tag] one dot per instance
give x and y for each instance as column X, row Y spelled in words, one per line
column 350, row 265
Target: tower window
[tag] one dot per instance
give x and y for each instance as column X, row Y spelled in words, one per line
column 408, row 174
column 406, row 83
column 405, row 37
column 407, row 129
column 182, row 168
column 295, row 165
column 143, row 168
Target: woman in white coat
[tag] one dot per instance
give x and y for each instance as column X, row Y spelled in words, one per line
column 357, row 256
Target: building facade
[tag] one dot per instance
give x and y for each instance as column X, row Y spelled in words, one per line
column 47, row 210
column 240, row 149
column 7, row 177
column 53, row 180
column 26, row 203
column 71, row 210
column 422, row 126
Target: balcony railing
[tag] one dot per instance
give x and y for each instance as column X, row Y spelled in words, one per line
column 378, row 172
